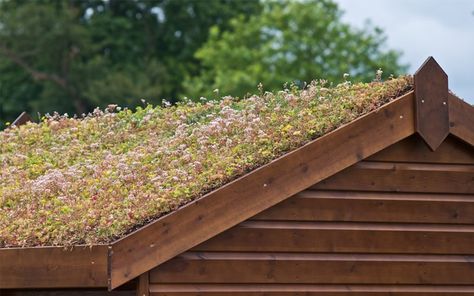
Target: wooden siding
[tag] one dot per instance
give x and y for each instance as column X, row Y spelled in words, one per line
column 67, row 292
column 398, row 223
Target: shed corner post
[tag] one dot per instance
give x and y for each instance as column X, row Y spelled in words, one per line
column 143, row 284
column 431, row 103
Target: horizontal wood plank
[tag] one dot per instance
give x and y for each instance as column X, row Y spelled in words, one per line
column 315, row 269
column 262, row 236
column 307, row 290
column 373, row 207
column 235, row 202
column 67, row 292
column 403, row 177
column 53, row 267
column 414, row 149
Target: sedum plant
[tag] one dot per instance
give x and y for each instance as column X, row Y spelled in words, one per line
column 90, row 180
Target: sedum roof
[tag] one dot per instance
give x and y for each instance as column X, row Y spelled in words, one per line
column 68, row 181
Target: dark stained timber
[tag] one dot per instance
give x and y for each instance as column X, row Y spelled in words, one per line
column 461, row 116
column 53, row 267
column 431, row 100
column 22, row 119
column 272, row 183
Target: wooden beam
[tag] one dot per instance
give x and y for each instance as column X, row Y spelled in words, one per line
column 431, row 93
column 308, row 290
column 22, row 119
column 143, row 288
column 385, row 207
column 315, row 268
column 461, row 117
column 342, row 237
column 414, row 149
column 53, row 267
column 402, row 177
column 262, row 188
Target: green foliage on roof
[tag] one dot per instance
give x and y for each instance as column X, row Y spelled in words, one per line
column 70, row 181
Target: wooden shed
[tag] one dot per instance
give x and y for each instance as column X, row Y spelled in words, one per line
column 383, row 205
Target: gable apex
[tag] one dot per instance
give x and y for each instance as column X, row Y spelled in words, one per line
column 431, row 102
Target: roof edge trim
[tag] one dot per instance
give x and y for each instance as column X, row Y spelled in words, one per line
column 53, row 267
column 461, row 119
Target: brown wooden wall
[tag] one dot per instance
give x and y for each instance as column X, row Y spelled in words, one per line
column 398, row 223
column 66, row 292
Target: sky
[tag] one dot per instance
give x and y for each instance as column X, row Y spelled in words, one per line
column 422, row 28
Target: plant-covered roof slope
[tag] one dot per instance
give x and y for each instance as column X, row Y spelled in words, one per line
column 69, row 181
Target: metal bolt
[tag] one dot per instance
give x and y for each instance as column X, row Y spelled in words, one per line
column 444, row 103
column 265, row 185
column 401, row 116
column 422, row 101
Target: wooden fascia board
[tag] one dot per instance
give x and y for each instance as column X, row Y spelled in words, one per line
column 461, row 119
column 258, row 190
column 22, row 119
column 53, row 267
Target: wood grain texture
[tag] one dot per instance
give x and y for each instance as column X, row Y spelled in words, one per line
column 259, row 190
column 414, row 149
column 143, row 288
column 461, row 117
column 308, row 290
column 402, row 177
column 373, row 207
column 53, row 267
column 261, row 268
column 431, row 100
column 345, row 237
column 66, row 292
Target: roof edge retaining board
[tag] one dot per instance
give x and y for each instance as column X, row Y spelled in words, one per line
column 260, row 189
column 53, row 267
column 22, row 119
column 461, row 119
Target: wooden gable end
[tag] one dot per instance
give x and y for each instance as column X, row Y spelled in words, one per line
column 398, row 223
column 342, row 215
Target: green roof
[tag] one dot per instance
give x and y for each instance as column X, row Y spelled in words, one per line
column 68, row 181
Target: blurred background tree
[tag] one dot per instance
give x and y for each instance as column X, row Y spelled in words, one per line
column 290, row 41
column 73, row 55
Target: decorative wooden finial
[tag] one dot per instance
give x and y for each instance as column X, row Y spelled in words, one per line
column 432, row 112
column 22, row 119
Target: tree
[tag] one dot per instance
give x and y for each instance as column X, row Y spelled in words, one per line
column 291, row 41
column 73, row 55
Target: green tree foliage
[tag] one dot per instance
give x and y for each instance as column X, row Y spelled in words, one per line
column 72, row 55
column 291, row 41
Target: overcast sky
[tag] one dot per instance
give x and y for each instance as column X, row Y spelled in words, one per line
column 420, row 28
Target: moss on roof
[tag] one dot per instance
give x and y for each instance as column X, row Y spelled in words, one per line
column 69, row 181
